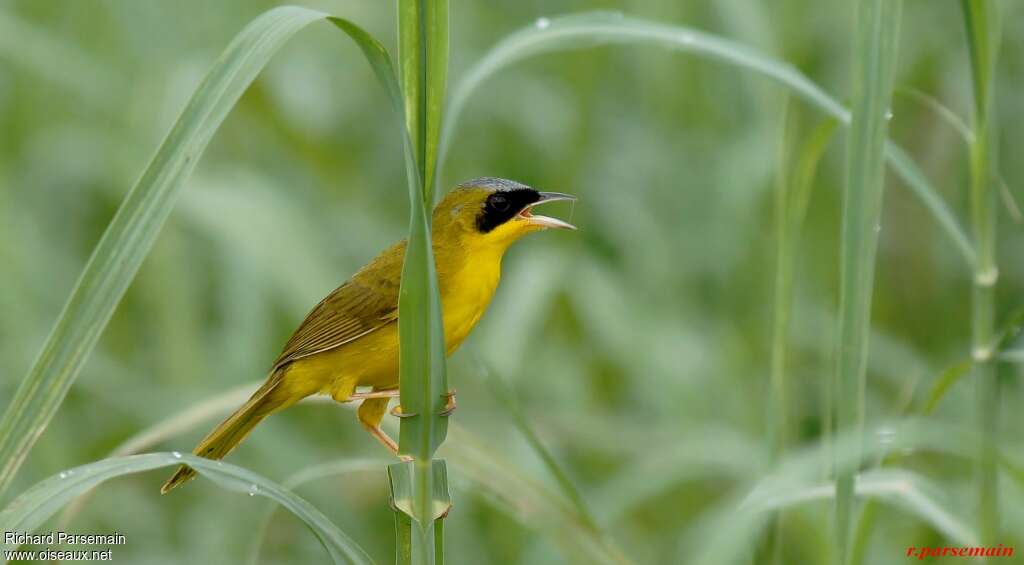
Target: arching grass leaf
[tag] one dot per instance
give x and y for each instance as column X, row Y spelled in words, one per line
column 33, row 507
column 130, row 235
column 592, row 29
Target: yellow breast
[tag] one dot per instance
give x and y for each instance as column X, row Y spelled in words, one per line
column 465, row 293
column 466, row 286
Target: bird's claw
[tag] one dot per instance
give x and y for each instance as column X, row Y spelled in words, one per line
column 449, row 407
column 450, row 404
column 397, row 412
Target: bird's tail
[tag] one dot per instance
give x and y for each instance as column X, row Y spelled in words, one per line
column 232, row 431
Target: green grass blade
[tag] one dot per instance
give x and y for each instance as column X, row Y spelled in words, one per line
column 423, row 55
column 131, row 233
column 422, row 366
column 412, row 68
column 423, row 361
column 435, row 25
column 914, row 178
column 403, row 538
column 308, row 475
column 909, row 491
column 33, row 507
column 730, row 528
column 709, row 454
column 204, row 413
column 946, row 380
column 982, row 24
column 940, row 110
column 529, row 501
column 734, row 524
column 423, row 63
column 798, row 163
column 508, row 401
column 964, row 131
column 874, row 52
column 504, row 483
column 593, row 29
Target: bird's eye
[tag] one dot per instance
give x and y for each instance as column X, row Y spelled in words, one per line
column 499, row 203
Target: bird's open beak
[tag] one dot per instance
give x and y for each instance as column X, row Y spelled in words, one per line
column 546, row 221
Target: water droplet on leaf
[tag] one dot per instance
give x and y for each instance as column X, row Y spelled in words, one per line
column 886, row 436
column 542, row 23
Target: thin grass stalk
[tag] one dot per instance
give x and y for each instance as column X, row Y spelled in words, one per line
column 953, row 373
column 502, row 392
column 981, row 20
column 798, row 164
column 950, row 376
column 771, row 549
column 782, row 295
column 423, row 63
column 874, row 49
column 792, row 198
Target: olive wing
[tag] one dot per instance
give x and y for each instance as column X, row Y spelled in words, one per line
column 366, row 303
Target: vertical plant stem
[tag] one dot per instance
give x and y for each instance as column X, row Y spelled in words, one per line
column 439, row 541
column 874, row 49
column 403, row 538
column 982, row 24
column 423, row 63
column 412, row 74
column 777, row 417
column 782, row 299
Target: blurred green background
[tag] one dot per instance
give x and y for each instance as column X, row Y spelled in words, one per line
column 638, row 346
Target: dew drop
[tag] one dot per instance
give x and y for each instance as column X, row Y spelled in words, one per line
column 886, row 436
column 253, row 489
column 878, row 228
column 63, row 475
column 888, row 114
column 176, row 454
column 542, row 23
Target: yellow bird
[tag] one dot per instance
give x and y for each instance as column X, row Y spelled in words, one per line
column 350, row 339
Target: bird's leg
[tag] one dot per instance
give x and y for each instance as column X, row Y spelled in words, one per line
column 390, row 393
column 449, row 406
column 370, row 414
